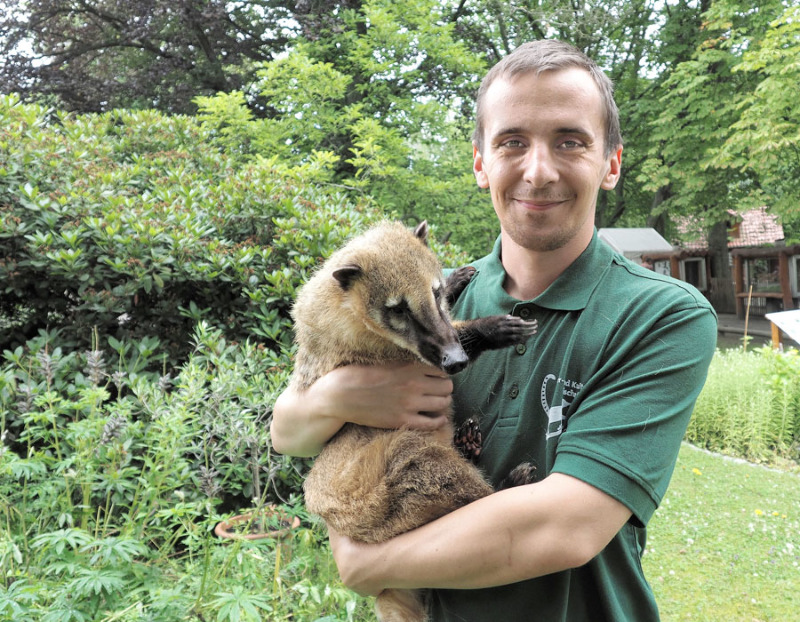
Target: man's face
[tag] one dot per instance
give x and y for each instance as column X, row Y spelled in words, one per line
column 543, row 157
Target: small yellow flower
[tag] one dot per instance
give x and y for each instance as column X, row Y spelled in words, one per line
column 697, row 471
column 759, row 513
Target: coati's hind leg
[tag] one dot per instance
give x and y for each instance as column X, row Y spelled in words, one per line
column 468, row 439
column 520, row 475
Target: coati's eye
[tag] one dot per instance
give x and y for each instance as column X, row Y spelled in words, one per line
column 397, row 307
column 437, row 293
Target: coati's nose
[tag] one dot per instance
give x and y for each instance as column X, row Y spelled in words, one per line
column 454, row 359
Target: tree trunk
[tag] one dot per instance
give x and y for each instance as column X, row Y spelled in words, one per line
column 720, row 291
column 657, row 219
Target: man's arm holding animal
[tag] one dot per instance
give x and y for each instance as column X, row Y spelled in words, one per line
column 382, row 396
column 512, row 535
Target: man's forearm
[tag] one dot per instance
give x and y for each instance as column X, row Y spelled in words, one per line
column 298, row 428
column 516, row 534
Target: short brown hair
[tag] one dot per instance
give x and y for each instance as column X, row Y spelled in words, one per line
column 545, row 55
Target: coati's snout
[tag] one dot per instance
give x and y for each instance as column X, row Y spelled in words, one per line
column 419, row 323
column 422, row 326
column 450, row 357
column 454, row 359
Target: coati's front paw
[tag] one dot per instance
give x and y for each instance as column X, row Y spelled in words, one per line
column 469, row 440
column 520, row 475
column 493, row 332
column 507, row 330
column 457, row 280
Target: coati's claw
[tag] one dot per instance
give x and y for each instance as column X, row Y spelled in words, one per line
column 520, row 475
column 469, row 440
column 457, row 280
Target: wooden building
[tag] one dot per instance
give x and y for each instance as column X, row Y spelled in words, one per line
column 765, row 272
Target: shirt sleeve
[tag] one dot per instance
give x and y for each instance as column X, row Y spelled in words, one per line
column 625, row 430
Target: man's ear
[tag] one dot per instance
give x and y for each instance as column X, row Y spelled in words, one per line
column 614, row 170
column 477, row 168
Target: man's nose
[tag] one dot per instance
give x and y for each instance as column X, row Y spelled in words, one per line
column 540, row 168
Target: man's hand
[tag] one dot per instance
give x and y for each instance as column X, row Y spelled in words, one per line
column 388, row 396
column 351, row 559
column 379, row 396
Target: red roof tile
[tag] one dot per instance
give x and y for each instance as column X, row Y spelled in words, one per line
column 756, row 227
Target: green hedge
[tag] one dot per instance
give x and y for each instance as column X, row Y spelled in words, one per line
column 133, row 225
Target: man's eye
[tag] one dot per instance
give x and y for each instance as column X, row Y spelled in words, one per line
column 513, row 144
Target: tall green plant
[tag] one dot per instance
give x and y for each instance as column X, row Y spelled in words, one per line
column 111, row 484
column 750, row 405
column 376, row 98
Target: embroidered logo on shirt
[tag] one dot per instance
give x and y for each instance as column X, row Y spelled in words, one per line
column 557, row 395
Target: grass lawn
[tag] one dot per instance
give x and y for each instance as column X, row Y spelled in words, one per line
column 725, row 544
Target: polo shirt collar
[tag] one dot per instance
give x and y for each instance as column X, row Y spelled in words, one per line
column 572, row 289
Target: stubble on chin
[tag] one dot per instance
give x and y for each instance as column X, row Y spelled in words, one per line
column 534, row 238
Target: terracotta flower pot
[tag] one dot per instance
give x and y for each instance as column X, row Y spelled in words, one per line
column 227, row 528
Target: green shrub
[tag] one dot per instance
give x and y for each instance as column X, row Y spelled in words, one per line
column 201, row 435
column 750, row 405
column 131, row 225
column 108, row 501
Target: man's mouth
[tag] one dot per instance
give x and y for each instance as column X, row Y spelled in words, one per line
column 539, row 203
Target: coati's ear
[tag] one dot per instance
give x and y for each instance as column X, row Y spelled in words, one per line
column 422, row 232
column 346, row 275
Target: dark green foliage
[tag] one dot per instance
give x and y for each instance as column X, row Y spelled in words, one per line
column 133, row 225
column 96, row 55
column 145, row 334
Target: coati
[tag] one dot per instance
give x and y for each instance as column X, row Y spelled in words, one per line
column 382, row 298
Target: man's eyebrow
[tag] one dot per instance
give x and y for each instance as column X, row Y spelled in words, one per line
column 574, row 130
column 582, row 131
column 508, row 131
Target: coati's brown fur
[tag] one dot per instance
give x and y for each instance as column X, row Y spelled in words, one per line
column 379, row 299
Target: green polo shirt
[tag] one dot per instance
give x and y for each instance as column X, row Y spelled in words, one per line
column 603, row 393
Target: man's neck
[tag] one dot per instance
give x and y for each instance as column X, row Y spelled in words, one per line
column 529, row 273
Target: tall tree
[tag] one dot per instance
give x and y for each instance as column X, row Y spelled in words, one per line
column 378, row 94
column 698, row 98
column 95, row 55
column 765, row 140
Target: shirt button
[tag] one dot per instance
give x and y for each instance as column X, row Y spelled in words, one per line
column 513, row 392
column 521, row 348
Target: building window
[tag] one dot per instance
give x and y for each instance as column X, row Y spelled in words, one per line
column 794, row 274
column 761, row 273
column 693, row 271
column 662, row 267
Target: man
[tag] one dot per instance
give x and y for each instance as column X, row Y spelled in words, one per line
column 598, row 401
